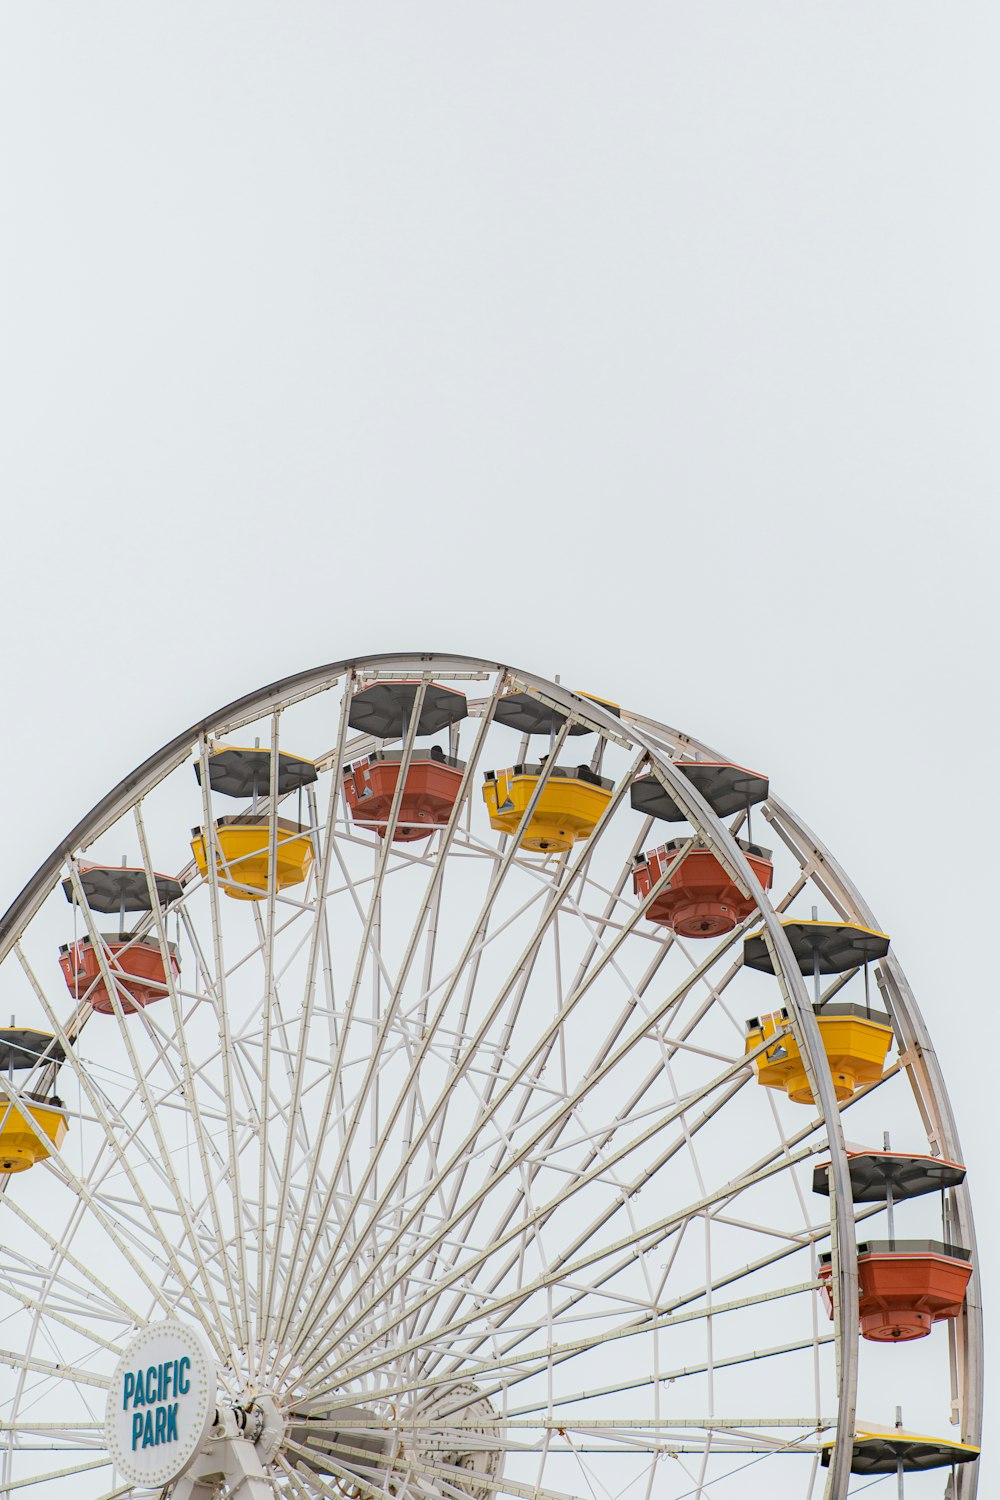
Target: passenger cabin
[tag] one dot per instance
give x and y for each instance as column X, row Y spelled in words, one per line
column 134, row 964
column 571, row 802
column 905, row 1285
column 557, row 805
column 701, row 899
column 856, row 1038
column 242, row 841
column 34, row 1122
column 433, row 779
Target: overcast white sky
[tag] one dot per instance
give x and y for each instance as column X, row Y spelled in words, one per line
column 654, row 344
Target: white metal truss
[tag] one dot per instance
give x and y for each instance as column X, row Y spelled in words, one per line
column 455, row 1156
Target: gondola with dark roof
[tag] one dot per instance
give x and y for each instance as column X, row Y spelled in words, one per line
column 243, row 840
column 33, row 1121
column 893, row 1451
column 433, row 779
column 856, row 1038
column 134, row 961
column 701, row 898
column 905, row 1285
column 727, row 788
column 572, row 798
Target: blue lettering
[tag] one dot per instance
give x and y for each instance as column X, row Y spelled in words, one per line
column 161, row 1425
column 140, row 1390
column 136, row 1429
column 168, row 1370
column 172, row 1423
column 129, row 1388
column 152, row 1382
column 147, row 1431
column 183, row 1383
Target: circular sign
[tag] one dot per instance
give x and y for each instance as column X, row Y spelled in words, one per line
column 161, row 1405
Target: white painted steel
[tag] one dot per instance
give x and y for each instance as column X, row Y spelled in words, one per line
column 451, row 1128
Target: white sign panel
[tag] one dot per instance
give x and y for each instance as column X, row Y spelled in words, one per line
column 161, row 1405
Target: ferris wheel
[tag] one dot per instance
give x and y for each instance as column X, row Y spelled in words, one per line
column 426, row 1081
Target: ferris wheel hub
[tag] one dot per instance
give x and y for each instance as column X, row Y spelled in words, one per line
column 469, row 1442
column 450, row 1435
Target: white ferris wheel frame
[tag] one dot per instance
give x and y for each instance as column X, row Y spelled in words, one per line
column 657, row 744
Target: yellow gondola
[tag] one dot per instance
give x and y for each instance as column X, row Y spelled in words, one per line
column 20, row 1147
column 856, row 1042
column 243, row 855
column 572, row 801
column 22, row 1049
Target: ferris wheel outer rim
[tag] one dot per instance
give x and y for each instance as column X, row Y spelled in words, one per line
column 646, row 731
column 139, row 781
column 905, row 1007
column 806, row 1030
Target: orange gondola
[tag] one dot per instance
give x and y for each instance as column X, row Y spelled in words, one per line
column 433, row 781
column 905, row 1286
column 700, row 899
column 430, row 791
column 135, row 962
column 136, row 965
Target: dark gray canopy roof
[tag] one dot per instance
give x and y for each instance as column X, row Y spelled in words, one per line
column 112, row 888
column 384, row 708
column 236, row 772
column 881, row 1453
column 910, row 1176
column 528, row 714
column 726, row 788
column 22, row 1046
column 839, row 946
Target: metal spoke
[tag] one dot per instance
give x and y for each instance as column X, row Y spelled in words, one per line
column 456, row 1141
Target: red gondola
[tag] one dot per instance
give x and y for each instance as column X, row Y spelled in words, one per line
column 433, row 782
column 700, row 900
column 905, row 1286
column 135, row 962
column 136, row 965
